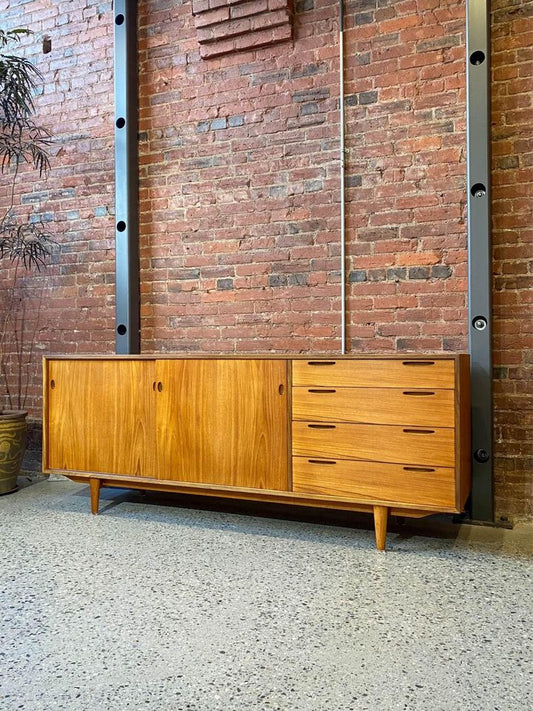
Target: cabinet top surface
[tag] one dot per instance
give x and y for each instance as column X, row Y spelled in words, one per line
column 261, row 356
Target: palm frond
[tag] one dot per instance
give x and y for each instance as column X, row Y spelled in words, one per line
column 29, row 243
column 24, row 141
column 21, row 141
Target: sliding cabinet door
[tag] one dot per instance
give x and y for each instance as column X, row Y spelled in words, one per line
column 223, row 422
column 101, row 416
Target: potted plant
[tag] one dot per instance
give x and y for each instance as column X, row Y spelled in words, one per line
column 24, row 245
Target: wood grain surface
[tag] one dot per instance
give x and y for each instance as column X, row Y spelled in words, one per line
column 398, row 373
column 223, row 422
column 407, row 484
column 101, row 416
column 393, row 406
column 379, row 443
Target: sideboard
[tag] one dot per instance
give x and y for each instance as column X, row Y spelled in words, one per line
column 389, row 435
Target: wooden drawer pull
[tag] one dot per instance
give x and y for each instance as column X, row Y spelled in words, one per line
column 321, row 390
column 418, row 469
column 321, row 461
column 417, row 393
column 418, row 362
column 321, row 362
column 409, row 431
column 322, row 427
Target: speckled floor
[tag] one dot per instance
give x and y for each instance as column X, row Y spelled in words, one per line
column 158, row 607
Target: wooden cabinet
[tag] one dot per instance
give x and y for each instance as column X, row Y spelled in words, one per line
column 378, row 434
column 387, row 431
column 223, row 422
column 100, row 416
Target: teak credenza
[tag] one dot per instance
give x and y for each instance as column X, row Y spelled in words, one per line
column 383, row 434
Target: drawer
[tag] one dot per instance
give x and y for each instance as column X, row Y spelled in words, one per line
column 432, row 446
column 376, row 405
column 421, row 486
column 367, row 373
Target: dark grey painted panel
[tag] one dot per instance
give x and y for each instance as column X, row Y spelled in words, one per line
column 127, row 320
column 479, row 255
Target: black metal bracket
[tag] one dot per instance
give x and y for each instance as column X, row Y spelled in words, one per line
column 127, row 312
column 479, row 254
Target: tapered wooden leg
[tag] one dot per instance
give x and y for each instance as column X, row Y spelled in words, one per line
column 380, row 526
column 94, row 485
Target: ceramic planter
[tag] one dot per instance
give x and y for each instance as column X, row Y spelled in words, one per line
column 13, row 431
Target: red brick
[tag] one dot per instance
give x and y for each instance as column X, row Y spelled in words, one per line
column 212, row 17
column 233, row 201
column 199, row 6
column 253, row 7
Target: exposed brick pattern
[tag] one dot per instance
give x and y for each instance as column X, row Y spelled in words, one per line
column 74, row 297
column 239, row 190
column 406, row 169
column 239, row 193
column 512, row 200
column 224, row 26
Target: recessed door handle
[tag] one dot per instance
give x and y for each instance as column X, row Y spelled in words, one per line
column 321, row 461
column 320, row 390
column 417, row 393
column 418, row 469
column 418, row 362
column 321, row 362
column 409, row 431
column 160, row 386
column 322, row 427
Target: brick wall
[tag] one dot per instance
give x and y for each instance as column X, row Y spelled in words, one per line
column 406, row 175
column 240, row 195
column 239, row 188
column 71, row 308
column 512, row 191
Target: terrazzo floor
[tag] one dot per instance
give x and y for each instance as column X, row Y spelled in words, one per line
column 163, row 607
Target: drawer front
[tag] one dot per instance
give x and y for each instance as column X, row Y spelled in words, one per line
column 431, row 446
column 405, row 373
column 424, row 486
column 377, row 405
